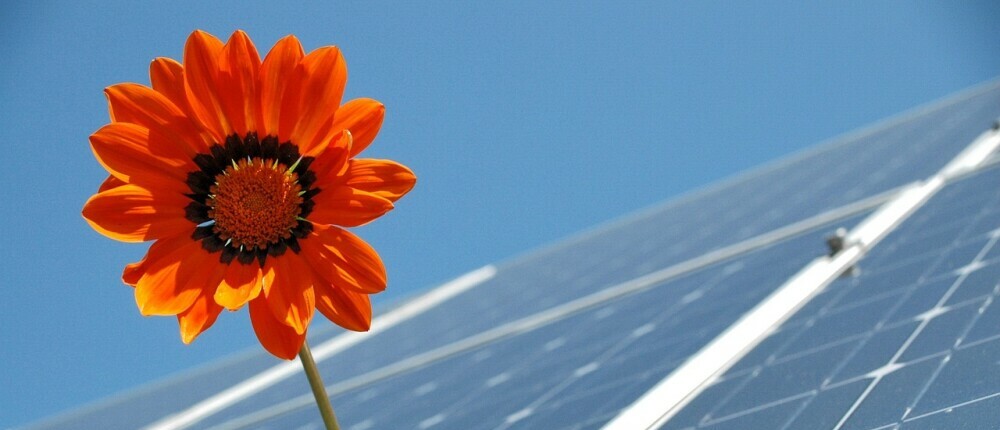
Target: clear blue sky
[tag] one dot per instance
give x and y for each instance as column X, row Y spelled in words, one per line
column 525, row 122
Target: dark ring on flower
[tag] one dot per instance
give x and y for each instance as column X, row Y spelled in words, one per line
column 222, row 157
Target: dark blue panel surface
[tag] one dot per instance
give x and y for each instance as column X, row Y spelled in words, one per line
column 574, row 373
column 911, row 342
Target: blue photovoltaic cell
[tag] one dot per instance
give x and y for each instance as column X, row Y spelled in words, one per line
column 912, row 342
column 575, row 373
column 824, row 178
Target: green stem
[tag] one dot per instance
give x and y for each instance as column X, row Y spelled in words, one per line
column 318, row 389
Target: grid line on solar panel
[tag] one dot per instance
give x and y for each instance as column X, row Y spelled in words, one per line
column 921, row 334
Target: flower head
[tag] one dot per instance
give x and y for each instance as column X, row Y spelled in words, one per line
column 243, row 172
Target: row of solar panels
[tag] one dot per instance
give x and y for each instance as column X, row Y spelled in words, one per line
column 570, row 336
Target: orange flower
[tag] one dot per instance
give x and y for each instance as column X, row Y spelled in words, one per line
column 241, row 171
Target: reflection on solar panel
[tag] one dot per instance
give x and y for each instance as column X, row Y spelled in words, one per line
column 575, row 335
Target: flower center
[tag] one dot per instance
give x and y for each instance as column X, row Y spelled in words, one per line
column 254, row 203
column 250, row 198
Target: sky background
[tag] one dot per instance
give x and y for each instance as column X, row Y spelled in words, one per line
column 525, row 122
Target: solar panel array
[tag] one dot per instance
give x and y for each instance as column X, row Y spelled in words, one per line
column 543, row 344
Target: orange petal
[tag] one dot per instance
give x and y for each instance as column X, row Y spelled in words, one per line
column 321, row 147
column 384, row 178
column 347, row 206
column 131, row 213
column 174, row 276
column 331, row 163
column 204, row 311
column 239, row 64
column 274, row 74
column 137, row 104
column 110, row 183
column 363, row 117
column 348, row 309
column 167, row 77
column 312, row 97
column 133, row 272
column 344, row 260
column 240, row 285
column 288, row 288
column 135, row 155
column 201, row 74
column 198, row 318
column 276, row 337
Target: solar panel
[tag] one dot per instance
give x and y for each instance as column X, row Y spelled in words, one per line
column 567, row 336
column 911, row 342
